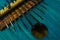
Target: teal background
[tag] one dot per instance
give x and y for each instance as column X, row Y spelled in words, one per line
column 51, row 20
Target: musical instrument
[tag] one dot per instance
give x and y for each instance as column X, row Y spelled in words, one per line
column 19, row 10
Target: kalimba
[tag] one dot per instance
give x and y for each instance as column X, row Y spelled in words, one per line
column 25, row 16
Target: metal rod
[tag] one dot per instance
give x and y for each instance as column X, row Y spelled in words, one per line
column 25, row 16
column 16, row 22
column 30, row 14
column 21, row 20
column 11, row 24
column 7, row 25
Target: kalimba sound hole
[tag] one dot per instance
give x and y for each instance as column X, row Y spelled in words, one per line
column 39, row 30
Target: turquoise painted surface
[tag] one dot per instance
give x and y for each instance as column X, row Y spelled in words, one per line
column 51, row 20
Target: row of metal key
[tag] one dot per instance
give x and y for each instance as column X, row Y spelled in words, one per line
column 15, row 13
column 38, row 28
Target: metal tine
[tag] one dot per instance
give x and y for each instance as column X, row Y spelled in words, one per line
column 45, row 3
column 24, row 15
column 43, row 6
column 23, row 23
column 40, row 3
column 31, row 4
column 33, row 17
column 37, row 14
column 11, row 23
column 40, row 9
column 16, row 21
column 29, row 12
column 7, row 25
column 20, row 19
